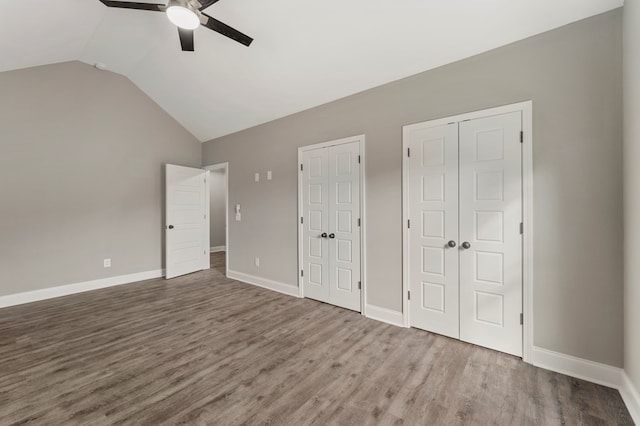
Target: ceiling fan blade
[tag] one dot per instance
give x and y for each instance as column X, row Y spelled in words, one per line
column 132, row 5
column 225, row 30
column 206, row 3
column 186, row 39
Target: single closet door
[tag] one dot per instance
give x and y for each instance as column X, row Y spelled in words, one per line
column 315, row 224
column 344, row 229
column 491, row 242
column 331, row 225
column 433, row 228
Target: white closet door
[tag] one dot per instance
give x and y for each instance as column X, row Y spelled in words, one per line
column 344, row 230
column 433, row 212
column 187, row 242
column 315, row 207
column 490, row 216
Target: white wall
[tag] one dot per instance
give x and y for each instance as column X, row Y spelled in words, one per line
column 632, row 190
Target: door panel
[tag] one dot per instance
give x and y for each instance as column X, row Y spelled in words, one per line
column 315, row 181
column 187, row 241
column 344, row 212
column 490, row 216
column 433, row 212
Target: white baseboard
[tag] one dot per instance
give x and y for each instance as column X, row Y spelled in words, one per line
column 385, row 315
column 631, row 397
column 217, row 249
column 65, row 290
column 595, row 372
column 579, row 368
column 288, row 289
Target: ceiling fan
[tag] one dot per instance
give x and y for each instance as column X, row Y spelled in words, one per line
column 187, row 15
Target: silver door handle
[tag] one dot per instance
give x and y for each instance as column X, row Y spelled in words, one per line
column 451, row 244
column 466, row 245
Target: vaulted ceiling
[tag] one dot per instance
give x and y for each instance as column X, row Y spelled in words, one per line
column 305, row 52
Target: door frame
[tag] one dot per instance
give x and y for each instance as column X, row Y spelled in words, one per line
column 219, row 166
column 526, row 108
column 363, row 222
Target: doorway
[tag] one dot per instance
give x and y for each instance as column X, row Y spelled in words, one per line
column 331, row 223
column 467, row 221
column 218, row 200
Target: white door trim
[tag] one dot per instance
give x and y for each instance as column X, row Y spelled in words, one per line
column 363, row 221
column 227, row 246
column 526, row 108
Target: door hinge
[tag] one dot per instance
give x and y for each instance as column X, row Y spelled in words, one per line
column 359, row 285
column 301, row 167
column 521, row 228
column 408, row 223
column 521, row 319
column 409, row 295
column 408, row 152
column 358, row 221
column 521, row 136
column 302, row 273
column 302, row 220
column 358, row 159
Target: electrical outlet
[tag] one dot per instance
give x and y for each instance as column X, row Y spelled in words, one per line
column 107, row 263
column 257, row 177
column 257, row 262
column 269, row 175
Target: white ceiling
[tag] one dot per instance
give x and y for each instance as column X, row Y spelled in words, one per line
column 305, row 53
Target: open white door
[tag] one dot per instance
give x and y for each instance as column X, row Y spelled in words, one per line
column 186, row 230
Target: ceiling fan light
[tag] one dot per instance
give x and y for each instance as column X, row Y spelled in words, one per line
column 183, row 17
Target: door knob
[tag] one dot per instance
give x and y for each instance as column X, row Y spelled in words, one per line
column 466, row 245
column 451, row 244
column 324, row 235
column 170, row 226
column 332, row 235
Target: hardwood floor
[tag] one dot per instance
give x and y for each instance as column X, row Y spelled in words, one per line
column 203, row 349
column 218, row 262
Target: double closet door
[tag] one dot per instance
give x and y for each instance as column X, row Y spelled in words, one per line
column 464, row 238
column 330, row 228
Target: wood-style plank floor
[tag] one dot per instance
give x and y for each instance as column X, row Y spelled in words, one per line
column 204, row 349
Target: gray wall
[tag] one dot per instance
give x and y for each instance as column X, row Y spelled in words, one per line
column 572, row 74
column 632, row 190
column 81, row 172
column 217, row 208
